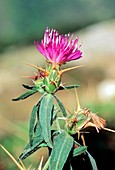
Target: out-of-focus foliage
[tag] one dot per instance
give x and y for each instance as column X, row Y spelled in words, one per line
column 23, row 21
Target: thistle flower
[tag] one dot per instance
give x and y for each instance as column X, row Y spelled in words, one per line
column 58, row 49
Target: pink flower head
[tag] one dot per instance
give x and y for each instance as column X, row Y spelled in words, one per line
column 58, row 49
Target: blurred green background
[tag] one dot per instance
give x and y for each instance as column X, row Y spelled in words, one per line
column 22, row 22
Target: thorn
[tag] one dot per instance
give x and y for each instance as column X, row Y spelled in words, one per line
column 31, row 77
column 77, row 100
column 68, row 69
column 68, row 110
column 14, row 160
column 78, row 135
column 29, row 167
column 110, row 130
column 39, row 68
column 62, row 118
column 22, row 163
column 41, row 163
column 62, row 85
column 83, row 139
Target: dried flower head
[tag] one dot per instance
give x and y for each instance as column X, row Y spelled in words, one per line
column 58, row 49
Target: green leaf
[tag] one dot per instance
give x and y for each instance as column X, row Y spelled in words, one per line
column 30, row 150
column 45, row 117
column 37, row 143
column 61, row 149
column 54, row 113
column 26, row 86
column 38, row 134
column 61, row 106
column 79, row 150
column 25, row 95
column 93, row 162
column 32, row 123
column 68, row 87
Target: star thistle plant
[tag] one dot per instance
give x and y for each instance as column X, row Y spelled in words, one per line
column 49, row 110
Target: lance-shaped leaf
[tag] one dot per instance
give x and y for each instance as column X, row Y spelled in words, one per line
column 30, row 150
column 26, row 86
column 25, row 95
column 32, row 123
column 61, row 149
column 79, row 150
column 69, row 87
column 93, row 162
column 54, row 113
column 37, row 143
column 45, row 117
column 61, row 106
